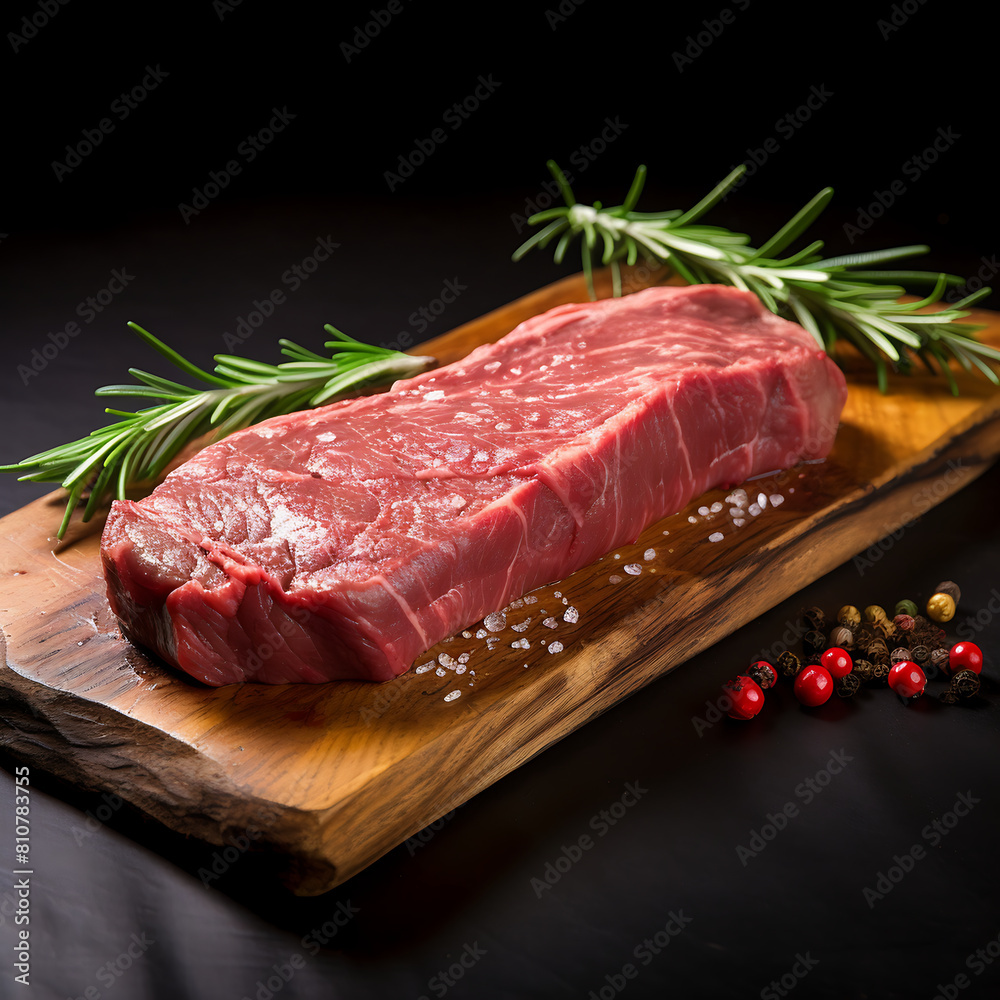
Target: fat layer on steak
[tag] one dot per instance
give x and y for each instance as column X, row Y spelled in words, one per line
column 342, row 542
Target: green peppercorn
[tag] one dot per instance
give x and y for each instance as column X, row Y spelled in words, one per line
column 906, row 607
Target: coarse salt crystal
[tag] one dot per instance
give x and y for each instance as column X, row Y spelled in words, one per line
column 464, row 658
column 754, row 510
column 692, row 520
column 614, row 578
column 530, row 599
column 424, row 667
column 571, row 615
column 704, row 511
column 716, row 536
column 776, row 499
column 446, row 661
column 481, row 633
column 515, row 605
column 736, row 512
column 633, row 569
column 555, row 647
column 649, row 554
column 452, row 695
column 521, row 626
column 461, row 668
column 716, row 507
column 436, row 394
column 761, row 500
column 495, row 622
column 440, row 671
column 550, row 623
column 739, row 522
column 466, row 634
column 520, row 644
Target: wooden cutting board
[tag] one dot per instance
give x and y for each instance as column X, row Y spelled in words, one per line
column 329, row 778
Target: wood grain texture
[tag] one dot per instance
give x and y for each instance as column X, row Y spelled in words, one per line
column 328, row 778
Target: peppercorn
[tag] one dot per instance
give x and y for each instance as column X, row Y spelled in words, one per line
column 848, row 685
column 964, row 684
column 951, row 589
column 815, row 619
column 905, row 607
column 842, row 636
column 813, row 641
column 921, row 655
column 878, row 652
column 880, row 672
column 849, row 615
column 763, row 674
column 899, row 654
column 941, row 607
column 939, row 658
column 903, row 622
column 886, row 628
column 788, row 663
column 873, row 613
column 863, row 670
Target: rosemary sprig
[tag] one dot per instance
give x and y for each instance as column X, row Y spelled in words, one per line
column 834, row 298
column 140, row 445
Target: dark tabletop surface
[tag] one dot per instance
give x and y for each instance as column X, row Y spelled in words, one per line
column 843, row 852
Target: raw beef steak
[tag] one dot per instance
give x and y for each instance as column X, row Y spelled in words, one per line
column 342, row 542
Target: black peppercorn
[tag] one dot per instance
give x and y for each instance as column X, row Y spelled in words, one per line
column 813, row 642
column 880, row 672
column 788, row 663
column 964, row 684
column 863, row 670
column 848, row 685
column 920, row 655
column 815, row 619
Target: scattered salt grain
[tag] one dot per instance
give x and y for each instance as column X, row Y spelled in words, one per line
column 530, row 599
column 491, row 367
column 550, row 623
column 739, row 522
column 737, row 497
column 466, row 634
column 436, row 394
column 614, row 578
column 633, row 569
column 461, row 668
column 520, row 644
column 481, row 633
column 571, row 615
column 776, row 499
column 557, row 593
column 704, row 511
column 440, row 671
column 761, row 500
column 716, row 507
column 424, row 667
column 516, row 605
column 555, row 647
column 753, row 509
column 495, row 622
column 446, row 661
column 649, row 554
column 692, row 520
column 452, row 695
column 521, row 626
column 716, row 536
column 736, row 512
column 666, row 532
column 464, row 658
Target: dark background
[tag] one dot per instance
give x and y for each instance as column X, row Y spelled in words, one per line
column 457, row 218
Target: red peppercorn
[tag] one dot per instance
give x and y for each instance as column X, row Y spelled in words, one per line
column 813, row 686
column 907, row 679
column 965, row 656
column 837, row 661
column 746, row 696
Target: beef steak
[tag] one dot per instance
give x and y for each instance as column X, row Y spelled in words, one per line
column 344, row 541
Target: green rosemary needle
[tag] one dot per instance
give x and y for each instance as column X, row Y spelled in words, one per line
column 834, row 298
column 139, row 446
